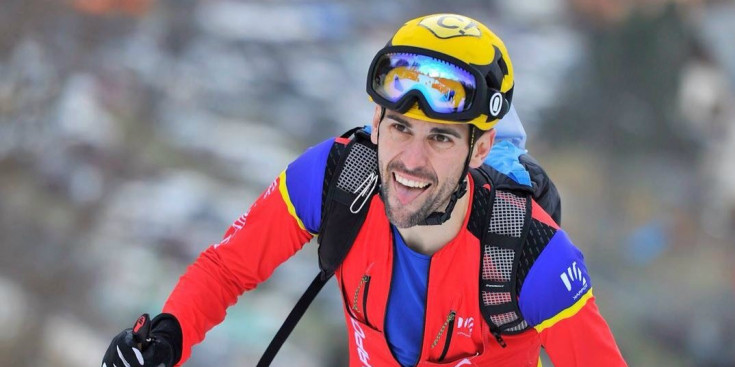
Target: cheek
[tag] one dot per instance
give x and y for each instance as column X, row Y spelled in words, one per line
column 387, row 150
column 383, row 160
column 449, row 168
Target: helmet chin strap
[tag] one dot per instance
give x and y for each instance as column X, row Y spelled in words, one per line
column 437, row 218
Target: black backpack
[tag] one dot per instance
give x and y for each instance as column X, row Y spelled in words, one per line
column 500, row 218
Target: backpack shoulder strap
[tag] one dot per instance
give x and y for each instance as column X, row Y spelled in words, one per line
column 500, row 219
column 350, row 181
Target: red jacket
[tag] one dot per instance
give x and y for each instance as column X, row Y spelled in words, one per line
column 563, row 314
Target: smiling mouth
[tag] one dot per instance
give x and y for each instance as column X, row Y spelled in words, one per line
column 405, row 181
column 408, row 189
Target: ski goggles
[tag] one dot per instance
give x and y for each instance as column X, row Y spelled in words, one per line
column 444, row 87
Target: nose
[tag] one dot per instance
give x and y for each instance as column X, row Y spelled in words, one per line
column 415, row 154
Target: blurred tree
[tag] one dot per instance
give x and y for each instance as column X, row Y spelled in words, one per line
column 624, row 98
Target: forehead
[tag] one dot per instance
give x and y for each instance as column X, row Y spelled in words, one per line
column 421, row 125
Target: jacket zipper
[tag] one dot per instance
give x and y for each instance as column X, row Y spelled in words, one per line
column 364, row 283
column 448, row 326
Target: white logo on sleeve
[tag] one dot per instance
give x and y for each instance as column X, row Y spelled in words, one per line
column 573, row 277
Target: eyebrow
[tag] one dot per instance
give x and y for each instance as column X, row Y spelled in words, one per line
column 434, row 130
column 398, row 118
column 445, row 131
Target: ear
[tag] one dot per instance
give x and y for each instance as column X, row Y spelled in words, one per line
column 482, row 148
column 376, row 125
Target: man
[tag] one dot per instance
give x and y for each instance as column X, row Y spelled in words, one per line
column 427, row 279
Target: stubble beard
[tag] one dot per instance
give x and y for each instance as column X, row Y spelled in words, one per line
column 399, row 215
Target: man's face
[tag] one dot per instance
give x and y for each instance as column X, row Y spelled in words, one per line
column 420, row 165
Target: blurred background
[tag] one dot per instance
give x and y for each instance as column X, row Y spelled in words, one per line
column 133, row 132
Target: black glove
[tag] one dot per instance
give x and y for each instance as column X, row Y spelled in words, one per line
column 155, row 343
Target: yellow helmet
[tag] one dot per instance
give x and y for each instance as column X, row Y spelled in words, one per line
column 444, row 68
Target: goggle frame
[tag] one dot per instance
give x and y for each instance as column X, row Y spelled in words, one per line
column 481, row 101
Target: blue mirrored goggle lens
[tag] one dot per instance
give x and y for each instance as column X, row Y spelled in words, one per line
column 447, row 88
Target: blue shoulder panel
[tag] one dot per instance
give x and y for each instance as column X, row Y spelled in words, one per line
column 304, row 180
column 556, row 281
column 504, row 158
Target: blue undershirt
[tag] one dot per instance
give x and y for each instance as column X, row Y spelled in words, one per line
column 404, row 320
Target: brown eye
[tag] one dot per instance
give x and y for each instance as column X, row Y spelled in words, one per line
column 399, row 132
column 400, row 128
column 442, row 138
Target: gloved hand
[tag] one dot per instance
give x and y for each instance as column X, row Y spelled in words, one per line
column 155, row 343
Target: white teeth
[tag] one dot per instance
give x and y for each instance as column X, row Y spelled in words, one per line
column 410, row 183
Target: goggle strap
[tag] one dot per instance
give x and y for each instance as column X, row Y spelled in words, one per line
column 496, row 71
